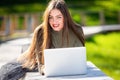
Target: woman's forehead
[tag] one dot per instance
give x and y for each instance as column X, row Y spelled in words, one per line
column 54, row 12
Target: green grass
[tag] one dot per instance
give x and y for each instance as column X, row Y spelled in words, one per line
column 104, row 51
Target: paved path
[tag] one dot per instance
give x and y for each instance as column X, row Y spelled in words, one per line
column 11, row 49
column 89, row 31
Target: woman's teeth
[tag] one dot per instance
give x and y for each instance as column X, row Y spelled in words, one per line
column 55, row 25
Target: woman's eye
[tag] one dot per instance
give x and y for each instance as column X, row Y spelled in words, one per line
column 60, row 17
column 50, row 17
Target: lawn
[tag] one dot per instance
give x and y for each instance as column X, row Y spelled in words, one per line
column 104, row 51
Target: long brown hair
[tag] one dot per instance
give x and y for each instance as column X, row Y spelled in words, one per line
column 42, row 34
column 68, row 23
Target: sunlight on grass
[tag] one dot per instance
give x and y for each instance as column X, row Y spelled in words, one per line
column 104, row 51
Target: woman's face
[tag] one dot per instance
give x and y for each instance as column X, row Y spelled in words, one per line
column 56, row 20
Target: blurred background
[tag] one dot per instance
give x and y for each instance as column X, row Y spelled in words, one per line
column 100, row 20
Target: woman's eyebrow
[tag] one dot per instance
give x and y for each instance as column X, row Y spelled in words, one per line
column 59, row 15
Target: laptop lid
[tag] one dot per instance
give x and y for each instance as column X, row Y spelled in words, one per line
column 65, row 61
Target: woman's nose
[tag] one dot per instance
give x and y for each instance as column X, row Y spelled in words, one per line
column 55, row 20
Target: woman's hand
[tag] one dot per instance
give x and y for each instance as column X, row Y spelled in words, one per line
column 42, row 70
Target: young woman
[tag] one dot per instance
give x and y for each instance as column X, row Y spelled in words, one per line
column 57, row 30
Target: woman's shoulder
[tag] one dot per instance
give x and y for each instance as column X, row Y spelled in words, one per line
column 79, row 28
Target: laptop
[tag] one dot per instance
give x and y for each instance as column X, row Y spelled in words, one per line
column 65, row 61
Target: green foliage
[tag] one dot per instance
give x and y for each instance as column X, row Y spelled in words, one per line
column 22, row 8
column 92, row 19
column 110, row 5
column 111, row 17
column 104, row 51
column 76, row 18
column 110, row 8
column 21, row 23
column 16, row 2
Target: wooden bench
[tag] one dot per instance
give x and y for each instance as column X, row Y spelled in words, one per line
column 93, row 73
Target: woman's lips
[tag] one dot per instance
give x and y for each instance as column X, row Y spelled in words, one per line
column 55, row 25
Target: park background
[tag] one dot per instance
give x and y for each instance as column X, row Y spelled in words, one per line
column 102, row 49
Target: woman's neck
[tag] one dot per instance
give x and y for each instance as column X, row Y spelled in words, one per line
column 57, row 32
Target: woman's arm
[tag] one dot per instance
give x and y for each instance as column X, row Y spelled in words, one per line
column 28, row 57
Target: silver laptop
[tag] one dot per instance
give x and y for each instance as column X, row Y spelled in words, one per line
column 65, row 61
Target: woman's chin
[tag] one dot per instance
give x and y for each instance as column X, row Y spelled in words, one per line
column 57, row 30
